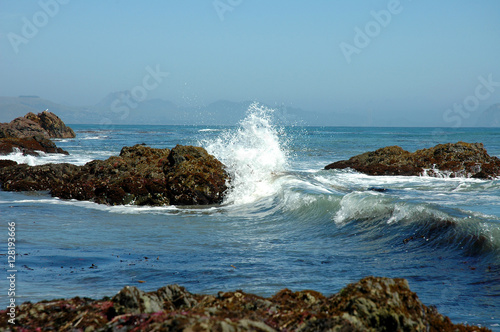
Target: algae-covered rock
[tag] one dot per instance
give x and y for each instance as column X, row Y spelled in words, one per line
column 131, row 300
column 134, row 177
column 194, row 177
column 34, row 178
column 372, row 304
column 454, row 160
column 140, row 175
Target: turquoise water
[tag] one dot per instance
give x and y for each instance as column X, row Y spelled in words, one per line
column 286, row 222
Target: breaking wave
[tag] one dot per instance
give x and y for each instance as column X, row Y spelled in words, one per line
column 392, row 211
column 253, row 154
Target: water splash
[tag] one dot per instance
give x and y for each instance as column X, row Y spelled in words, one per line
column 253, row 154
column 46, row 158
column 32, row 160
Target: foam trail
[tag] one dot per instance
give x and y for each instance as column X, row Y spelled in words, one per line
column 31, row 160
column 46, row 158
column 18, row 157
column 253, row 156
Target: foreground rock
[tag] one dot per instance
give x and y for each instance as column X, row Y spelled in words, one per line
column 140, row 175
column 32, row 133
column 372, row 304
column 454, row 160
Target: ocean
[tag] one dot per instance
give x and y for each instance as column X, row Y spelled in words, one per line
column 285, row 222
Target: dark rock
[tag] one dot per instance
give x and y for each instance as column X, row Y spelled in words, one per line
column 391, row 160
column 140, row 175
column 454, row 160
column 194, row 177
column 32, row 178
column 45, row 124
column 131, row 300
column 372, row 304
column 134, row 177
column 29, row 146
column 384, row 305
column 22, row 128
column 54, row 126
column 378, row 189
column 32, row 133
column 7, row 163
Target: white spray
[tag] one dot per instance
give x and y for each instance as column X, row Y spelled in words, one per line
column 253, row 156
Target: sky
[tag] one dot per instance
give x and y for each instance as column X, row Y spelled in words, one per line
column 417, row 59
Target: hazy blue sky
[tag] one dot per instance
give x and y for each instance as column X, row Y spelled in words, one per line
column 385, row 57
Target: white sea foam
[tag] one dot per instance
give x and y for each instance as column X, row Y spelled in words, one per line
column 41, row 159
column 253, row 154
column 208, row 130
column 18, row 157
column 94, row 137
column 117, row 209
column 46, row 158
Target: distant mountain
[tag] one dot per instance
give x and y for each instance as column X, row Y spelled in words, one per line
column 122, row 108
column 13, row 107
column 490, row 117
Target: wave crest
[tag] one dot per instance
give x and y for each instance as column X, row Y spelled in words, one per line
column 253, row 154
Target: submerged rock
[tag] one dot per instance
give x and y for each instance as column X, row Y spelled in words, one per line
column 140, row 175
column 454, row 160
column 372, row 304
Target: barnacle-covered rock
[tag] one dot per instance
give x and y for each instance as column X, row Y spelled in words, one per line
column 454, row 160
column 140, row 175
column 371, row 304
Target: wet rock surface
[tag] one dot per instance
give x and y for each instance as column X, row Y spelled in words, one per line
column 32, row 133
column 194, row 177
column 140, row 175
column 372, row 304
column 34, row 178
column 29, row 146
column 134, row 177
column 454, row 160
